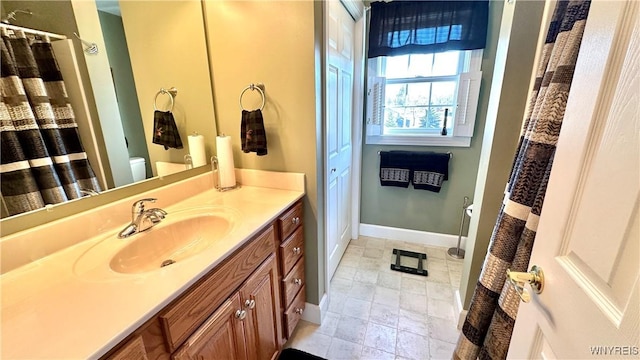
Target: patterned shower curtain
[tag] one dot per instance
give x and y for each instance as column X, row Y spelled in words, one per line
column 42, row 158
column 487, row 329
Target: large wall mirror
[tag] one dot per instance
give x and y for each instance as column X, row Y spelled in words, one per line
column 143, row 47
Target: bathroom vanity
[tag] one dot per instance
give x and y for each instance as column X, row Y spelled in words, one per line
column 239, row 297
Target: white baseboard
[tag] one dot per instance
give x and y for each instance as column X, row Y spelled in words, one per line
column 413, row 236
column 315, row 313
column 457, row 309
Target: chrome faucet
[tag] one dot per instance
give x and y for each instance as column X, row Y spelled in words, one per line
column 142, row 219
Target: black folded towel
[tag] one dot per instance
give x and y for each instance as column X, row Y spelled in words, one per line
column 252, row 134
column 430, row 169
column 165, row 131
column 395, row 168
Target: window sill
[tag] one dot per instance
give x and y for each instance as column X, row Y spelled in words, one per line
column 452, row 141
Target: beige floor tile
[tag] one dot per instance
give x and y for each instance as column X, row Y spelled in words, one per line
column 414, row 302
column 437, row 265
column 329, row 324
column 350, row 260
column 362, row 291
column 441, row 309
column 336, row 302
column 345, row 272
column 412, row 322
column 361, row 241
column 390, row 280
column 440, row 291
column 443, row 329
column 436, row 276
column 412, row 346
column 455, row 277
column 307, row 338
column 341, row 285
column 414, row 286
column 369, row 353
column 384, row 315
column 440, row 350
column 369, row 264
column 387, row 297
column 366, row 276
column 357, row 308
column 381, row 337
column 354, row 250
column 373, row 253
column 410, row 246
column 375, row 243
column 393, row 244
column 434, row 252
column 351, row 329
column 454, row 264
column 344, row 350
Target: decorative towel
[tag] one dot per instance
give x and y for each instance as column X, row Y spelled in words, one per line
column 165, row 131
column 252, row 134
column 395, row 168
column 430, row 169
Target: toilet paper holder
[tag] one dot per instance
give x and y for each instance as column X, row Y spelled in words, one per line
column 216, row 176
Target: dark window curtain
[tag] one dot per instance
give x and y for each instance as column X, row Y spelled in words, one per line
column 415, row 27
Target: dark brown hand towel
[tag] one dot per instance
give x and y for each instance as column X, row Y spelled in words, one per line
column 252, row 134
column 430, row 169
column 165, row 131
column 395, row 168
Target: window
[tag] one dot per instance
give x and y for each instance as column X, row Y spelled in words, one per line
column 424, row 71
column 409, row 96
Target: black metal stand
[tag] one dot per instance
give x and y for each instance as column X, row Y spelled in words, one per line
column 420, row 270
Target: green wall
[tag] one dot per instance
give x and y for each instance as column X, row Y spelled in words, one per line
column 118, row 54
column 425, row 210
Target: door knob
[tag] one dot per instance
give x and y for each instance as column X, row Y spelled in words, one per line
column 250, row 304
column 535, row 277
column 241, row 314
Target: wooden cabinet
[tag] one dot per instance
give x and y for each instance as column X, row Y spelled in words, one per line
column 222, row 333
column 238, row 310
column 262, row 304
column 291, row 258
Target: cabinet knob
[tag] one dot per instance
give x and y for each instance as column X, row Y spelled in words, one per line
column 299, row 311
column 296, row 250
column 296, row 220
column 250, row 304
column 241, row 314
column 297, row 281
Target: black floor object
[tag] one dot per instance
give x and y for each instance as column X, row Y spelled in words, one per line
column 419, row 270
column 295, row 354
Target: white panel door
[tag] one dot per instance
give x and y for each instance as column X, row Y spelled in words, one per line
column 340, row 29
column 588, row 241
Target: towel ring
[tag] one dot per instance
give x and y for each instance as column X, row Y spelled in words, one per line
column 173, row 92
column 252, row 87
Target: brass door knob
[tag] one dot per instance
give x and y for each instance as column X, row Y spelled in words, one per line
column 535, row 277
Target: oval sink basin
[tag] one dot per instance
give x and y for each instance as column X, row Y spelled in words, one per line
column 180, row 235
column 167, row 243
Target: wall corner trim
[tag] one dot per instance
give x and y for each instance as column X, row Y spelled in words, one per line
column 315, row 313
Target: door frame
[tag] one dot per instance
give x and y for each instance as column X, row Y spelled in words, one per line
column 356, row 9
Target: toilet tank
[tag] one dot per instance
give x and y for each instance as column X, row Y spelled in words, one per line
column 138, row 168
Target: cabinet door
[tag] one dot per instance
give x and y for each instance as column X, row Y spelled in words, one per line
column 220, row 337
column 260, row 298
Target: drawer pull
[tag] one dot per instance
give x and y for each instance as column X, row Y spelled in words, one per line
column 296, row 220
column 296, row 250
column 241, row 314
column 297, row 281
column 299, row 311
column 250, row 304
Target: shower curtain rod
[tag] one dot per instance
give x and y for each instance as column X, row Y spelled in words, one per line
column 33, row 31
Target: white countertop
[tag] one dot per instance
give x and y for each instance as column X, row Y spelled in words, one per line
column 51, row 312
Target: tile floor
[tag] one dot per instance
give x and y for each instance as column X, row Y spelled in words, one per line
column 377, row 313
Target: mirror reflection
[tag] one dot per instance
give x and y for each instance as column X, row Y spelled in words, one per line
column 135, row 100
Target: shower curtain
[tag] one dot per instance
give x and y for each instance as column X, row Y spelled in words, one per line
column 42, row 158
column 487, row 329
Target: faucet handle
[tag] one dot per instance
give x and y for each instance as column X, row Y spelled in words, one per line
column 138, row 206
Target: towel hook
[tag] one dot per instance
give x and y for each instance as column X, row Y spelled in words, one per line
column 252, row 87
column 91, row 47
column 173, row 92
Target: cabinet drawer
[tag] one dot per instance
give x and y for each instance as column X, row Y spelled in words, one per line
column 290, row 220
column 291, row 250
column 294, row 312
column 134, row 349
column 293, row 282
column 191, row 310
